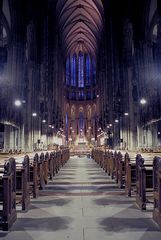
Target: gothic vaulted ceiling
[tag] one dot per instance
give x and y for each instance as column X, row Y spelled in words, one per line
column 80, row 25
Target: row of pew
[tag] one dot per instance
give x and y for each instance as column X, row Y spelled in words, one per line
column 150, row 150
column 138, row 174
column 22, row 178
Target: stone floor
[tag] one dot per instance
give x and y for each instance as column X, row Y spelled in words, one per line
column 83, row 203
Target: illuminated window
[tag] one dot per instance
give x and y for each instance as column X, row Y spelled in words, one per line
column 68, row 71
column 94, row 71
column 73, row 95
column 81, row 121
column 81, row 73
column 88, row 70
column 81, row 95
column 80, row 70
column 88, row 97
column 66, row 121
column 73, row 71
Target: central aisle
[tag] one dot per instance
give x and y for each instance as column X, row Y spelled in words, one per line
column 83, row 203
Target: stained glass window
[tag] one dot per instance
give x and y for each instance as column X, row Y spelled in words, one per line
column 81, row 95
column 73, row 95
column 88, row 97
column 81, row 121
column 66, row 121
column 94, row 71
column 73, row 70
column 88, row 70
column 80, row 70
column 68, row 71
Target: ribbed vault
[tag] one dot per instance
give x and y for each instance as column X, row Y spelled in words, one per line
column 80, row 25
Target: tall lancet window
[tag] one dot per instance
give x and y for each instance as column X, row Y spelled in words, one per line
column 94, row 71
column 88, row 71
column 73, row 70
column 80, row 70
column 81, row 121
column 68, row 71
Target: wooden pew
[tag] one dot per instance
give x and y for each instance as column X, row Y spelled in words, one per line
column 121, row 170
column 46, row 167
column 42, row 168
column 64, row 155
column 67, row 154
column 116, row 166
column 98, row 156
column 107, row 160
column 55, row 163
column 55, row 171
column 22, row 182
column 104, row 160
column 41, row 171
column 111, row 164
column 157, row 190
column 51, row 166
column 8, row 213
column 33, row 172
column 126, row 171
column 34, row 176
column 101, row 158
column 37, row 174
column 93, row 153
column 57, row 160
column 144, row 182
column 130, row 174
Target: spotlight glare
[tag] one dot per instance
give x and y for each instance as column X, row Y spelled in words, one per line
column 34, row 114
column 17, row 103
column 143, row 101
